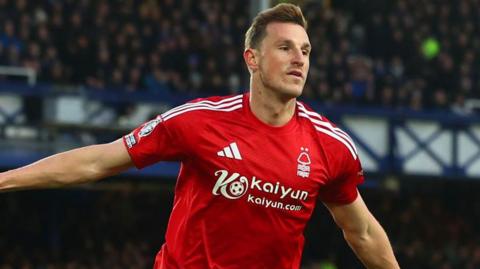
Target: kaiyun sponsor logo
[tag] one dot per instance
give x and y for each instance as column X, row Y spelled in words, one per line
column 234, row 186
column 231, row 186
column 274, row 204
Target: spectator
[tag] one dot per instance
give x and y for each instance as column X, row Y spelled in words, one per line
column 187, row 47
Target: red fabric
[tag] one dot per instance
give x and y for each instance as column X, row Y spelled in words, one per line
column 244, row 208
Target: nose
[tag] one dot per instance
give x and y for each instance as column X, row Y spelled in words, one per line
column 298, row 58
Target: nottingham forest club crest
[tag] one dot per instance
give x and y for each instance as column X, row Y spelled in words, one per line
column 303, row 167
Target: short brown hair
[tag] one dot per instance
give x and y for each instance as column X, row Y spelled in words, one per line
column 279, row 13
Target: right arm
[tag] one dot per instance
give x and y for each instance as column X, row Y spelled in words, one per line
column 76, row 166
column 364, row 234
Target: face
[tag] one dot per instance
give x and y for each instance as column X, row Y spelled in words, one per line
column 283, row 59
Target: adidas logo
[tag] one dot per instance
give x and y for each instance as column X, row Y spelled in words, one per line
column 231, row 151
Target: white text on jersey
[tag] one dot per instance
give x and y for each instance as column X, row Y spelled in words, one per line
column 234, row 186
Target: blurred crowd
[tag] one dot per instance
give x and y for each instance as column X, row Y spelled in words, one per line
column 129, row 45
column 79, row 229
column 402, row 54
column 82, row 229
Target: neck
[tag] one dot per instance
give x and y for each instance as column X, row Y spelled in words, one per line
column 271, row 108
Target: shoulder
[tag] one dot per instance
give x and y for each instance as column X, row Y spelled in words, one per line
column 332, row 138
column 204, row 106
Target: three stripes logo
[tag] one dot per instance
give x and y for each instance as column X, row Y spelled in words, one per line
column 231, row 151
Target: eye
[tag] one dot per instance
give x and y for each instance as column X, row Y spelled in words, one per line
column 306, row 52
column 285, row 48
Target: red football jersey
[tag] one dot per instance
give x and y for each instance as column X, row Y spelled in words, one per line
column 245, row 190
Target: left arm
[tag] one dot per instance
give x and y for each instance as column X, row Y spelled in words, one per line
column 364, row 234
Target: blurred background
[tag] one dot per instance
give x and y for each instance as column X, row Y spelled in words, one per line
column 402, row 77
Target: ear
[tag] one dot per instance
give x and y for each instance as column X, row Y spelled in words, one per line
column 251, row 59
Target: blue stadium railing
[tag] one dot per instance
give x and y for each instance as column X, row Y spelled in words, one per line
column 405, row 143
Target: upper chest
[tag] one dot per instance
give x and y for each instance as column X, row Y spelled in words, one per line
column 294, row 157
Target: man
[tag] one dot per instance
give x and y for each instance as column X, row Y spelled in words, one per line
column 252, row 165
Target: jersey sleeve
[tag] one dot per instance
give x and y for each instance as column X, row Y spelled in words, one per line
column 342, row 188
column 152, row 142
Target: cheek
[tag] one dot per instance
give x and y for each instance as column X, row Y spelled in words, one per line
column 267, row 67
column 275, row 66
column 271, row 66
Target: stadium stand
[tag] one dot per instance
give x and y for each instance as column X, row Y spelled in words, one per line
column 394, row 54
column 130, row 45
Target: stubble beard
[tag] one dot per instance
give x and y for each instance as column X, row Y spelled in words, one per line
column 282, row 91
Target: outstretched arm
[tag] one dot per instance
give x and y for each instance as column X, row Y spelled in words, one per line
column 71, row 167
column 364, row 234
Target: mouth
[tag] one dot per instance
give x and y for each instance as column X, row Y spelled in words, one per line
column 295, row 73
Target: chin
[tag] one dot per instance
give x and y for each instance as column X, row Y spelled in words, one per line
column 287, row 90
column 292, row 92
column 295, row 89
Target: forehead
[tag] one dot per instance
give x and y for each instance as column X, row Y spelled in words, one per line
column 279, row 31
